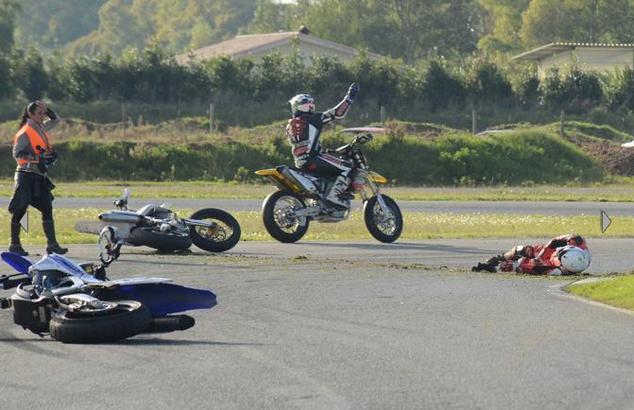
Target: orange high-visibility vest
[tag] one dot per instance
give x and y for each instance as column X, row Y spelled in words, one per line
column 36, row 140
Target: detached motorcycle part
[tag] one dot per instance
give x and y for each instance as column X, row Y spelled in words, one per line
column 280, row 220
column 384, row 226
column 162, row 241
column 125, row 319
column 222, row 236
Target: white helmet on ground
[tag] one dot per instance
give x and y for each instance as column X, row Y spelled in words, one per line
column 574, row 259
column 302, row 103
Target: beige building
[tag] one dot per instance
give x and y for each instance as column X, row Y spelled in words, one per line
column 599, row 57
column 258, row 45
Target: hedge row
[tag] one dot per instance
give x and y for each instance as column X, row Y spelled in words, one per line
column 151, row 77
column 512, row 158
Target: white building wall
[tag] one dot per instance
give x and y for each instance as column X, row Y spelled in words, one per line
column 591, row 59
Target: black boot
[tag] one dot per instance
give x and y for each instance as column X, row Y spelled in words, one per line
column 16, row 246
column 52, row 245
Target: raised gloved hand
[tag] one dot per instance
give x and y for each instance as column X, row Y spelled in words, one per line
column 353, row 90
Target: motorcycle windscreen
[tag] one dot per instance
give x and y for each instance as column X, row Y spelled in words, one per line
column 17, row 262
column 166, row 298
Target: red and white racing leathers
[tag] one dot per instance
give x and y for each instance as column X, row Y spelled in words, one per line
column 539, row 259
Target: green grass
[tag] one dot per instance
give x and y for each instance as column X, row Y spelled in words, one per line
column 418, row 226
column 622, row 190
column 617, row 291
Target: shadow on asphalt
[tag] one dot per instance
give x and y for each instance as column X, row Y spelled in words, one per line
column 16, row 340
column 177, row 342
column 135, row 342
column 390, row 247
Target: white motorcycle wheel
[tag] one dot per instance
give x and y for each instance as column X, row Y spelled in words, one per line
column 385, row 227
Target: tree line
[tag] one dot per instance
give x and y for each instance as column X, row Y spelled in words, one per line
column 411, row 30
column 150, row 76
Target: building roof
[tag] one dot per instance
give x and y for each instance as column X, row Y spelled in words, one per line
column 554, row 48
column 260, row 43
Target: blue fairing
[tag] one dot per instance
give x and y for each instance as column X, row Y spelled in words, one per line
column 17, row 262
column 165, row 298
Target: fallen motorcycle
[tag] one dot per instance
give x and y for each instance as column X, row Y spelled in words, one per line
column 77, row 303
column 299, row 199
column 156, row 226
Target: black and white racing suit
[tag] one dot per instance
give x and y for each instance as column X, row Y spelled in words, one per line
column 303, row 131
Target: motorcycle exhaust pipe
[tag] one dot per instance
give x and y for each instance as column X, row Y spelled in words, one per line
column 119, row 217
column 168, row 324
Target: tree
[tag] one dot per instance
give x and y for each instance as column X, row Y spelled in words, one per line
column 571, row 91
column 6, row 87
column 502, row 26
column 486, row 84
column 9, row 10
column 271, row 17
column 546, row 21
column 620, row 89
column 434, row 26
column 440, row 88
column 49, row 24
column 28, row 73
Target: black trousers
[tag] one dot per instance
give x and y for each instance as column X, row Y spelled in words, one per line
column 326, row 165
column 34, row 190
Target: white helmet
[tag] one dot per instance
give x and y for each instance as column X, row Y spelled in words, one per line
column 574, row 259
column 302, row 103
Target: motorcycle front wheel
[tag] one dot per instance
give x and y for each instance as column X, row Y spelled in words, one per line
column 278, row 215
column 384, row 226
column 223, row 236
column 126, row 318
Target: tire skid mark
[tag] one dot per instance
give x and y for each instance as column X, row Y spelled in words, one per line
column 307, row 388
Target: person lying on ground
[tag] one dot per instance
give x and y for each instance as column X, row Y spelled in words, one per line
column 563, row 255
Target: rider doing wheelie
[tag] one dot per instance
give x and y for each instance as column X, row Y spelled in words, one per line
column 303, row 131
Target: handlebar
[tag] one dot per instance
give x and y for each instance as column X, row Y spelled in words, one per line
column 9, row 283
column 358, row 140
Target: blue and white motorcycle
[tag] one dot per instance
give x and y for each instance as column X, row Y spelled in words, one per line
column 77, row 303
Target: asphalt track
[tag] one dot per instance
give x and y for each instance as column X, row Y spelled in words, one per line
column 344, row 325
column 514, row 207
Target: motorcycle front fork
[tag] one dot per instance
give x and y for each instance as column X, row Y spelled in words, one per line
column 374, row 190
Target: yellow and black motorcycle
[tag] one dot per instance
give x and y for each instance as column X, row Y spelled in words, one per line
column 299, row 199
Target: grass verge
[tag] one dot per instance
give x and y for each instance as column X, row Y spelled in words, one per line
column 620, row 191
column 418, row 226
column 617, row 291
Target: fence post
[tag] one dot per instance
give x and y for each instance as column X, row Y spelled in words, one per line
column 562, row 114
column 382, row 114
column 474, row 121
column 123, row 120
column 211, row 118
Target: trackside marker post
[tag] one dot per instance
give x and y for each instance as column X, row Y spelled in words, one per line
column 24, row 222
column 605, row 221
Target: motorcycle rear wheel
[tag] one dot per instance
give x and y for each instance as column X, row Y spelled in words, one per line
column 127, row 319
column 215, row 239
column 278, row 219
column 382, row 228
column 161, row 241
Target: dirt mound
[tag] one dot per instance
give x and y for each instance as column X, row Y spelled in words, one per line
column 614, row 158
